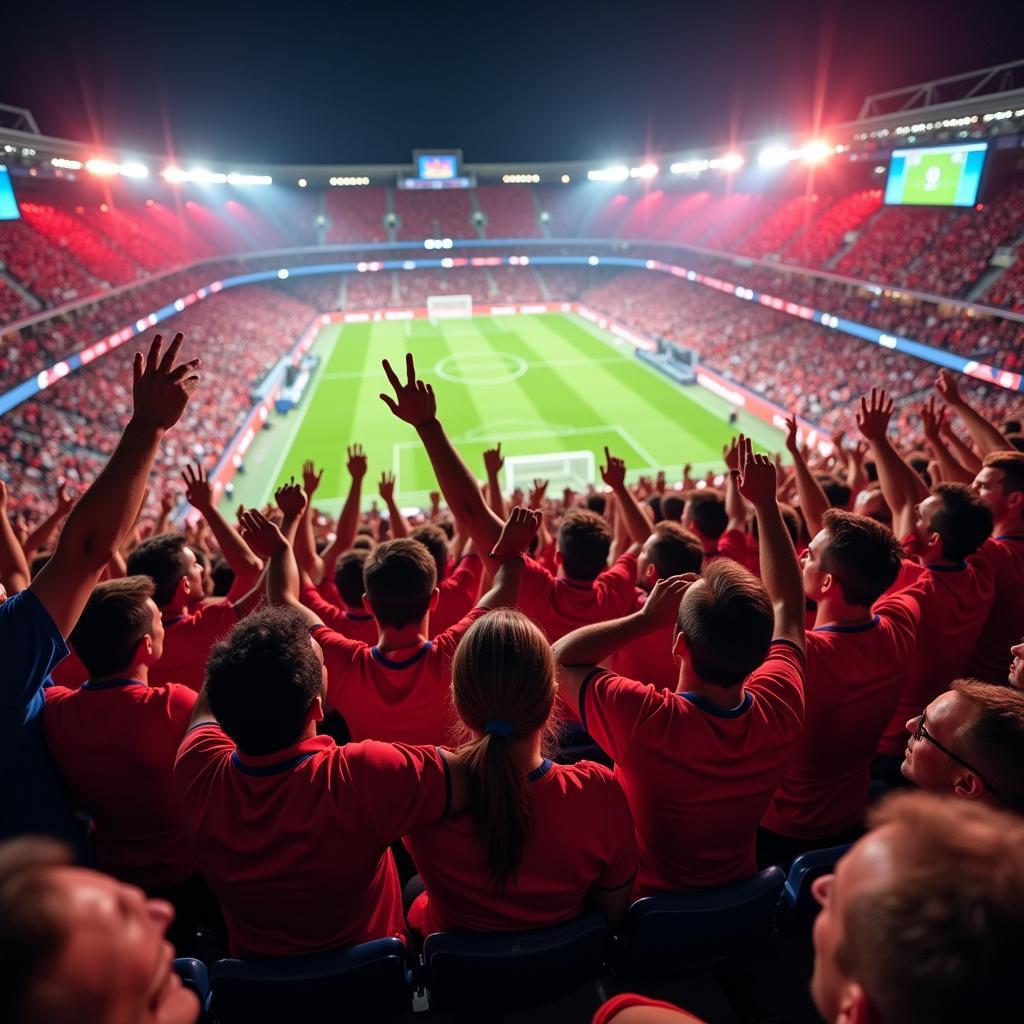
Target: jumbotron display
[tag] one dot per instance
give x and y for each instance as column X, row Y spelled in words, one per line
column 8, row 204
column 936, row 176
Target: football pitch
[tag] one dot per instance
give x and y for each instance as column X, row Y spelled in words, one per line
column 538, row 384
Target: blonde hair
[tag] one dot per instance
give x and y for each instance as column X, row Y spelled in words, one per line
column 503, row 687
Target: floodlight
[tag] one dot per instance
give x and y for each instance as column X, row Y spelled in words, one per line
column 815, row 152
column 729, row 162
column 774, row 156
column 302, row 183
column 690, row 166
column 647, row 170
column 617, row 172
column 566, row 179
column 101, row 168
column 133, row 170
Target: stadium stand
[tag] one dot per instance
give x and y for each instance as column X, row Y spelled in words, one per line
column 510, row 211
column 426, row 214
column 821, row 239
column 356, row 214
column 47, row 272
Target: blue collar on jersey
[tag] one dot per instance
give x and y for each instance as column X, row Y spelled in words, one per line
column 112, row 684
column 698, row 700
column 863, row 628
column 387, row 662
column 540, row 771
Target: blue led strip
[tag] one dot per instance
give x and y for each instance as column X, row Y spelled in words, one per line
column 990, row 374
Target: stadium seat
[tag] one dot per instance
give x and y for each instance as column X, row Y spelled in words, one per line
column 798, row 907
column 194, row 976
column 669, row 934
column 516, row 970
column 368, row 981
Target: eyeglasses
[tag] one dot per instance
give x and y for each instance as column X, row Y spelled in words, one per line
column 921, row 733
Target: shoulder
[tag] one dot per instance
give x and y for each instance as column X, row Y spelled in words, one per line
column 784, row 661
column 207, row 741
column 54, row 695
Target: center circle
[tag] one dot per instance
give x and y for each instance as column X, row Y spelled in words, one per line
column 481, row 367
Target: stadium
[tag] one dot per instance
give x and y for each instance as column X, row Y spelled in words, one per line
column 590, row 390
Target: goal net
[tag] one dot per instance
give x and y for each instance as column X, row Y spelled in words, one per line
column 560, row 469
column 449, row 307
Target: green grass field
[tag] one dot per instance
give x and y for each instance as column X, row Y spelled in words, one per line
column 539, row 384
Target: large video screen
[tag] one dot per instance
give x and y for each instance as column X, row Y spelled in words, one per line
column 936, row 175
column 8, row 204
column 437, row 166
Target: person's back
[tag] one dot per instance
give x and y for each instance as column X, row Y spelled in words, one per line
column 114, row 740
column 859, row 659
column 290, row 830
column 541, row 839
column 339, row 601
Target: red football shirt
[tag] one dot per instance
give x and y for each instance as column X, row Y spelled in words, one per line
column 295, row 844
column 398, row 696
column 70, row 672
column 355, row 625
column 188, row 640
column 114, row 743
column 1005, row 624
column 955, row 603
column 458, row 593
column 698, row 778
column 855, row 675
column 582, row 837
column 559, row 605
column 649, row 659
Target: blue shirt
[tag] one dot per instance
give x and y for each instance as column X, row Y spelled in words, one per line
column 32, row 796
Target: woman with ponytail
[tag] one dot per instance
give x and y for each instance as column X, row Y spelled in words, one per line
column 541, row 840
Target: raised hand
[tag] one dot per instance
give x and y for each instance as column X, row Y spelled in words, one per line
column 65, row 500
column 414, row 400
column 792, row 435
column 161, row 390
column 166, row 503
column 756, row 477
column 197, row 487
column 356, row 461
column 520, row 528
column 568, row 497
column 731, row 453
column 659, row 482
column 934, row 418
column 290, row 499
column 3, row 496
column 948, row 388
column 263, row 536
column 387, row 487
column 310, row 478
column 537, row 492
column 614, row 473
column 874, row 414
column 662, row 604
column 493, row 461
column 857, row 453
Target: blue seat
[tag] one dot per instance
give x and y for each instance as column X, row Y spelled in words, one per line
column 369, row 981
column 194, row 976
column 798, row 907
column 516, row 970
column 673, row 933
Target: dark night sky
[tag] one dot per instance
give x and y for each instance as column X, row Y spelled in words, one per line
column 505, row 81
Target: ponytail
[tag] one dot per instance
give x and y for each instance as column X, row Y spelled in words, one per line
column 503, row 685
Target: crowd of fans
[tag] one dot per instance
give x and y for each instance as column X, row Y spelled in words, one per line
column 249, row 735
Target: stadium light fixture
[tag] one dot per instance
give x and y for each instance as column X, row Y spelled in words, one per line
column 690, row 166
column 617, row 172
column 66, row 165
column 816, row 151
column 775, row 156
column 101, row 168
column 249, row 179
column 566, row 179
column 729, row 162
column 302, row 183
column 647, row 170
column 133, row 169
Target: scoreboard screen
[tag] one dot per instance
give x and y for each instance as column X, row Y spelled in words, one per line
column 436, row 169
column 936, row 175
column 437, row 166
column 8, row 204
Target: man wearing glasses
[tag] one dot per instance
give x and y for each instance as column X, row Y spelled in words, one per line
column 969, row 743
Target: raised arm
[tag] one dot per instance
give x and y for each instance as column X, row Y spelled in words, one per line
column 628, row 508
column 537, row 501
column 399, row 524
column 493, row 461
column 813, row 500
column 507, row 554
column 735, row 506
column 780, row 569
column 414, row 402
column 106, row 511
column 305, row 542
column 901, row 487
column 348, row 521
column 983, row 433
column 13, row 563
column 243, row 561
column 42, row 536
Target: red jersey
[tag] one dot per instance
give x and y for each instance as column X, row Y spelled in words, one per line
column 398, row 696
column 295, row 844
column 855, row 675
column 355, row 625
column 1004, row 627
column 582, row 837
column 559, row 605
column 698, row 777
column 70, row 672
column 457, row 594
column 188, row 640
column 114, row 743
column 607, row 1012
column 955, row 603
column 649, row 659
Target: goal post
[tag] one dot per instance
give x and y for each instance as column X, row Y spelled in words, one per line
column 449, row 307
column 560, row 469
